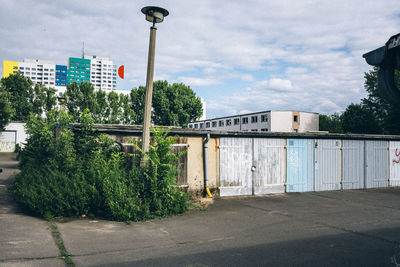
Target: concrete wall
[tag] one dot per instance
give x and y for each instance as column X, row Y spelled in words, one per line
column 281, row 121
column 308, row 122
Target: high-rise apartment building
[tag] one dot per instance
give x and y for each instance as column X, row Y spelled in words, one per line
column 103, row 73
column 9, row 67
column 99, row 71
column 39, row 71
column 61, row 75
column 78, row 70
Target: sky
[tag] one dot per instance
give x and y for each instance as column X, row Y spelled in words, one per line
column 239, row 56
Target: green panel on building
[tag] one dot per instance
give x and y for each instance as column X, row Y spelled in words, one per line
column 78, row 70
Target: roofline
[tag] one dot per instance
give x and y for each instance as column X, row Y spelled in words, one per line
column 136, row 130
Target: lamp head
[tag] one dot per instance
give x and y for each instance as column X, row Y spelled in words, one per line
column 155, row 14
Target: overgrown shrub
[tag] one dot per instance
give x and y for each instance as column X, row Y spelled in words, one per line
column 66, row 172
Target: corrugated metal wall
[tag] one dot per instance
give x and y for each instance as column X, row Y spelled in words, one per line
column 300, row 165
column 327, row 165
column 376, row 155
column 394, row 161
column 236, row 159
column 353, row 164
column 269, row 163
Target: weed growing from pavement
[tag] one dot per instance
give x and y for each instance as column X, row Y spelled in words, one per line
column 60, row 244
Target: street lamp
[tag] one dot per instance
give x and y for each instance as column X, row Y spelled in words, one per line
column 155, row 15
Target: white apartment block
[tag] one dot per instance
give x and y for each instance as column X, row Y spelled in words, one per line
column 39, row 71
column 103, row 73
column 264, row 121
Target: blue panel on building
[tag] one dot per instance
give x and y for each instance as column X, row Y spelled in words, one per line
column 300, row 173
column 61, row 75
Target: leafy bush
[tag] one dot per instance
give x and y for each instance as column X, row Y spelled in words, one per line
column 66, row 172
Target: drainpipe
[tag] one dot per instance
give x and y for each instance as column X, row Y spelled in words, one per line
column 205, row 164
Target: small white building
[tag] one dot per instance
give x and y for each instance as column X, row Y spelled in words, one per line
column 13, row 134
column 264, row 121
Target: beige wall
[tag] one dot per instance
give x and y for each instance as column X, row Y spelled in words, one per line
column 195, row 168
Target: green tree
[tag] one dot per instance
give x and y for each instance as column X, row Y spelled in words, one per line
column 101, row 103
column 386, row 114
column 331, row 123
column 26, row 98
column 137, row 97
column 80, row 97
column 358, row 118
column 114, row 108
column 127, row 114
column 173, row 104
column 73, row 97
column 6, row 111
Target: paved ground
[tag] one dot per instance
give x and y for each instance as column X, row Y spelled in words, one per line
column 337, row 228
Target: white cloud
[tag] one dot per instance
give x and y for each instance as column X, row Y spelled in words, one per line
column 199, row 81
column 303, row 55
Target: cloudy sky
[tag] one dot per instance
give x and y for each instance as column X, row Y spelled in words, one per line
column 239, row 56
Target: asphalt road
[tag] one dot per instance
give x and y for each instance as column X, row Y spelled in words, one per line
column 335, row 228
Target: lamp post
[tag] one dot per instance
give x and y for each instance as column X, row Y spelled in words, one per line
column 155, row 15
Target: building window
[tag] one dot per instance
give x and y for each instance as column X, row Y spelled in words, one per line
column 245, row 120
column 221, row 123
column 201, row 125
column 190, row 126
column 254, row 130
column 264, row 130
column 254, row 119
column 228, row 122
column 21, row 68
column 295, row 118
column 196, row 126
column 264, row 118
column 214, row 124
column 207, row 125
column 236, row 121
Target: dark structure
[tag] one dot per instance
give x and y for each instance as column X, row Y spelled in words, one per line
column 387, row 58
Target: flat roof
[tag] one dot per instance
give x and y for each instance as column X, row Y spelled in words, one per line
column 136, row 130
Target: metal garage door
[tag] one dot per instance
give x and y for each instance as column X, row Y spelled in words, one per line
column 394, row 161
column 236, row 160
column 327, row 165
column 300, row 165
column 353, row 164
column 251, row 166
column 269, row 163
column 376, row 164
